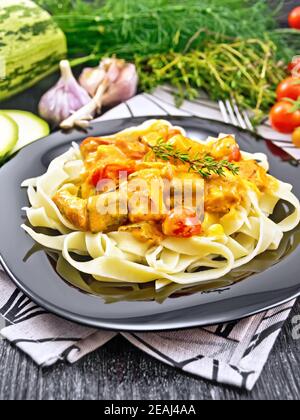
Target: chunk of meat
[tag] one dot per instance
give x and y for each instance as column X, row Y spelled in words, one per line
column 133, row 149
column 146, row 196
column 91, row 144
column 145, row 232
column 226, row 148
column 107, row 163
column 184, row 144
column 250, row 170
column 106, row 212
column 104, row 154
column 73, row 208
column 87, row 189
column 187, row 188
column 102, row 213
column 158, row 132
column 221, row 194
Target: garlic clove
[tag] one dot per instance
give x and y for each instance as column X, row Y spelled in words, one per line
column 113, row 69
column 91, row 78
column 63, row 99
column 124, row 88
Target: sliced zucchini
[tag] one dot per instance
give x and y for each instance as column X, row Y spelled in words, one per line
column 9, row 134
column 31, row 127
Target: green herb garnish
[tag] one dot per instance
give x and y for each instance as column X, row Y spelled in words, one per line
column 204, row 166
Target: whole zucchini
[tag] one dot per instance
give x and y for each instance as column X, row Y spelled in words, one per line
column 31, row 45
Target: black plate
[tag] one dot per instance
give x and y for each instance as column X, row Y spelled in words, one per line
column 272, row 279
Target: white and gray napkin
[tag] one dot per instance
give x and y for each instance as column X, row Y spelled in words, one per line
column 233, row 353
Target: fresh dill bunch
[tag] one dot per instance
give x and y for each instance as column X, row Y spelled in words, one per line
column 129, row 27
column 204, row 166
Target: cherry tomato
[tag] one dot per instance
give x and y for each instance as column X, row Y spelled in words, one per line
column 183, row 223
column 289, row 88
column 226, row 148
column 294, row 18
column 282, row 119
column 296, row 137
column 235, row 155
column 294, row 67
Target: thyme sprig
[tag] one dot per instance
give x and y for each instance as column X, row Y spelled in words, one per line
column 246, row 70
column 202, row 165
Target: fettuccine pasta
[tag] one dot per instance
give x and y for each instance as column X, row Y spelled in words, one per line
column 163, row 246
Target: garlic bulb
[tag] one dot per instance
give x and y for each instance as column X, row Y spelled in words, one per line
column 121, row 76
column 112, row 82
column 63, row 99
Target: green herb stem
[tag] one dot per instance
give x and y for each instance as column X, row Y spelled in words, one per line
column 246, row 70
column 204, row 166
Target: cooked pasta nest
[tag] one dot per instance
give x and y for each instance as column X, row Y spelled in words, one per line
column 242, row 233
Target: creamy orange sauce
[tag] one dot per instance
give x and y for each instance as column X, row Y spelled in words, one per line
column 131, row 154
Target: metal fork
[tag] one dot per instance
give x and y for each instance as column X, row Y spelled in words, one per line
column 232, row 115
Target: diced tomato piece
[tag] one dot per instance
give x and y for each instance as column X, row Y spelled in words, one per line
column 112, row 171
column 183, row 223
column 96, row 177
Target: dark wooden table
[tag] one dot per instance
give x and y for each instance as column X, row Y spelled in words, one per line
column 119, row 371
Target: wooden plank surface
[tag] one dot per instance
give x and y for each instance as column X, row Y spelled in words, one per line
column 119, row 371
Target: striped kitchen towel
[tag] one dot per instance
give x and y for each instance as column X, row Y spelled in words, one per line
column 233, row 353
